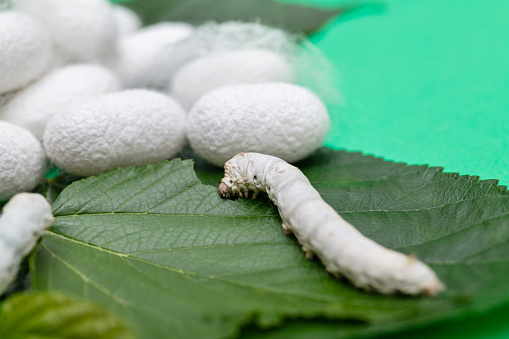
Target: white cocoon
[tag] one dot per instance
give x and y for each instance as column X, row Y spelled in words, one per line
column 22, row 160
column 82, row 30
column 25, row 50
column 280, row 119
column 134, row 127
column 203, row 75
column 311, row 68
column 127, row 21
column 32, row 107
column 211, row 38
column 134, row 63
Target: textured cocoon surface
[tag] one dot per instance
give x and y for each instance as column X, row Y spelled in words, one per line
column 134, row 63
column 311, row 68
column 82, row 30
column 203, row 75
column 22, row 160
column 25, row 50
column 127, row 21
column 284, row 120
column 98, row 134
column 32, row 107
column 212, row 38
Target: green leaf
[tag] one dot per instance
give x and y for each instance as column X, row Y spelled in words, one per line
column 165, row 252
column 57, row 316
column 299, row 18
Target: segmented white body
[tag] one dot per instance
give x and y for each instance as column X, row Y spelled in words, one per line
column 343, row 250
column 24, row 219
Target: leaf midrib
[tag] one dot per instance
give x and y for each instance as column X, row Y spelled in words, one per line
column 100, row 214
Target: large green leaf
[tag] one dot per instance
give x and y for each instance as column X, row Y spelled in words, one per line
column 164, row 251
column 299, row 18
column 57, row 316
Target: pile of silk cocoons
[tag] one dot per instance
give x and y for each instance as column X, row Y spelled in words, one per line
column 86, row 87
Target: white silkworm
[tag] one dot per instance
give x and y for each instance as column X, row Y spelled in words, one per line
column 24, row 219
column 343, row 250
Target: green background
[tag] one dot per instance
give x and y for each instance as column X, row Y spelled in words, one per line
column 426, row 82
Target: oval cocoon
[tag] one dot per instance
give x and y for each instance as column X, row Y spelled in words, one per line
column 136, row 53
column 203, row 75
column 82, row 30
column 217, row 38
column 25, row 50
column 32, row 107
column 99, row 134
column 126, row 20
column 279, row 119
column 22, row 160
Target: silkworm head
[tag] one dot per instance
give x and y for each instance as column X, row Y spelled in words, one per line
column 224, row 191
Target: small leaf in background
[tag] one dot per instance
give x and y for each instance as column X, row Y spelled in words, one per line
column 57, row 316
column 163, row 251
column 296, row 18
column 54, row 182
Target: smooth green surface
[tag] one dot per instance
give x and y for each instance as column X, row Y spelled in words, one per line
column 425, row 81
column 176, row 260
column 57, row 316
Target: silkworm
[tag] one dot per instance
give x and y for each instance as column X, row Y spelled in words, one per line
column 343, row 250
column 25, row 218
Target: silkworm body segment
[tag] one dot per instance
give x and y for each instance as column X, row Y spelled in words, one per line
column 343, row 250
column 25, row 217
